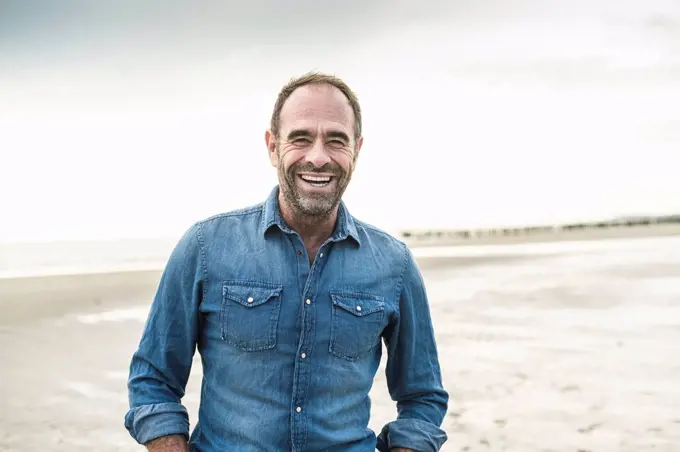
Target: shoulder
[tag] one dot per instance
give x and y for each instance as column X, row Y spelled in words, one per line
column 392, row 253
column 232, row 215
column 234, row 224
column 246, row 217
column 379, row 239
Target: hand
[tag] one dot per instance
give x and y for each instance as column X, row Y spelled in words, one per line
column 171, row 443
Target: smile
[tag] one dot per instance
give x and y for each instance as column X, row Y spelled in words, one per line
column 316, row 181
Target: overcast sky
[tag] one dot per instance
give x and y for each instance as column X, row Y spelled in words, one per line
column 132, row 118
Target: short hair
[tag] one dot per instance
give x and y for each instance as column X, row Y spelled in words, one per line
column 315, row 78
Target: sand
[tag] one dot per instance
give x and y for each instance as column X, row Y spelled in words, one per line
column 576, row 349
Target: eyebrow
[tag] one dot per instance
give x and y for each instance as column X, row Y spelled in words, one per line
column 301, row 133
column 298, row 133
column 342, row 135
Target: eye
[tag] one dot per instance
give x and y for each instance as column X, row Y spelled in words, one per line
column 301, row 141
column 337, row 143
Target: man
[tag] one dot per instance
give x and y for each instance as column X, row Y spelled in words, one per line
column 287, row 303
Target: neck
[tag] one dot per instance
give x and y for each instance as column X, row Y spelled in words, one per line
column 314, row 231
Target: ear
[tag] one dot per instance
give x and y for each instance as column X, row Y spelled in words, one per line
column 357, row 147
column 270, row 140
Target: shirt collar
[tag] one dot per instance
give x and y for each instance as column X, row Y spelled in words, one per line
column 345, row 226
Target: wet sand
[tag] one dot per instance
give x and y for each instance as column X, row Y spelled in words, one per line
column 567, row 349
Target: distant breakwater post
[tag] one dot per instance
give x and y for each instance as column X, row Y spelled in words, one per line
column 661, row 225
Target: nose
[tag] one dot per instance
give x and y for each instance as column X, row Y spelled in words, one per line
column 317, row 154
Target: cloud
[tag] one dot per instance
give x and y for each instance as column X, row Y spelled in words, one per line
column 466, row 103
column 59, row 33
column 172, row 29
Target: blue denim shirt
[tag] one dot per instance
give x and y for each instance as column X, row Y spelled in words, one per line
column 289, row 351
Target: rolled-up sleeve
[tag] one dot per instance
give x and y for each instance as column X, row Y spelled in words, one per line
column 413, row 372
column 160, row 367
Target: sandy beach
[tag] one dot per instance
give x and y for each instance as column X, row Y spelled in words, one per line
column 556, row 347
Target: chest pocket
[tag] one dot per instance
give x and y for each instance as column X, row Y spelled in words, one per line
column 250, row 314
column 356, row 324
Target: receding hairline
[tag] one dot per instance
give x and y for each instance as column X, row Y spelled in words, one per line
column 316, row 80
column 319, row 87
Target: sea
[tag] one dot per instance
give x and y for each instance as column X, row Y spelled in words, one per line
column 19, row 260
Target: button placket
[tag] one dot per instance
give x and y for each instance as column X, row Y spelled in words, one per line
column 308, row 284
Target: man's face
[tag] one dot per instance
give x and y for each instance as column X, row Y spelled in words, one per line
column 315, row 152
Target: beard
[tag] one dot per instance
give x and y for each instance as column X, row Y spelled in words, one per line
column 312, row 205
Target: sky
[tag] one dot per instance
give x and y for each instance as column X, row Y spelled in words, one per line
column 135, row 119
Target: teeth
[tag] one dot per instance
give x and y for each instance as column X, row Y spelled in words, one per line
column 316, row 178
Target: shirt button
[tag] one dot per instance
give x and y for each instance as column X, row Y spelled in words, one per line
column 250, row 299
column 308, row 301
column 321, row 255
column 298, row 409
column 299, row 251
column 303, row 356
column 358, row 308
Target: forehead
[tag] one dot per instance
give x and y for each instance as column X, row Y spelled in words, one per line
column 317, row 106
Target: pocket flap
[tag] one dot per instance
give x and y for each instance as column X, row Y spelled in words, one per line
column 359, row 304
column 250, row 294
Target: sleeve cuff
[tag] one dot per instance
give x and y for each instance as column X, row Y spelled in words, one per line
column 412, row 434
column 149, row 422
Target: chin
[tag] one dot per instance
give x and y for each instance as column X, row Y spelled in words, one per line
column 314, row 208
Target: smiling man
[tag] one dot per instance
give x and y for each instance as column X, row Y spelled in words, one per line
column 288, row 303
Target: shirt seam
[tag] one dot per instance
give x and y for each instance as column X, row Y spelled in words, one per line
column 400, row 284
column 234, row 213
column 203, row 260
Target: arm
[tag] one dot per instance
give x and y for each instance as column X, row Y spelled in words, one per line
column 171, row 443
column 160, row 366
column 413, row 372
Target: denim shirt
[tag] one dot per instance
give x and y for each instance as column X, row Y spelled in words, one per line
column 289, row 350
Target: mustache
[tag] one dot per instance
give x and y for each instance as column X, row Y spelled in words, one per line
column 310, row 168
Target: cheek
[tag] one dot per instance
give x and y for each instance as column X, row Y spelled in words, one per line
column 346, row 162
column 288, row 159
